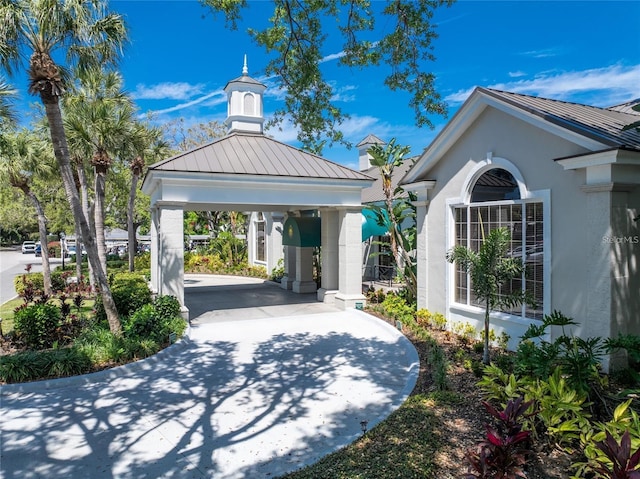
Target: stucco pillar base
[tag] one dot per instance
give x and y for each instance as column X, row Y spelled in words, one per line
column 304, row 287
column 286, row 282
column 350, row 301
column 327, row 296
column 184, row 313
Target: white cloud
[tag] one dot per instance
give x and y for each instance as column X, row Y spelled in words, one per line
column 604, row 86
column 517, row 74
column 218, row 97
column 167, row 91
column 545, row 53
column 333, row 56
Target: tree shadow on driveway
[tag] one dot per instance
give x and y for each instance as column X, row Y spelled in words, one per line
column 237, row 400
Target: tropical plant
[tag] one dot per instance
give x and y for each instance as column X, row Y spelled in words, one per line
column 506, row 448
column 398, row 214
column 490, row 269
column 578, row 358
column 88, row 36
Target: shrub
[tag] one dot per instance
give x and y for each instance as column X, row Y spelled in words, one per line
column 130, row 292
column 579, row 358
column 37, row 324
column 142, row 262
column 156, row 321
column 397, row 308
column 18, row 367
column 63, row 362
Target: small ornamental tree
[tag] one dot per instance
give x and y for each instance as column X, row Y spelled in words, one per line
column 490, row 268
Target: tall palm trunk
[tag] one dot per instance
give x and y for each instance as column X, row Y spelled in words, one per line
column 42, row 231
column 136, row 169
column 84, row 197
column 50, row 99
column 101, row 166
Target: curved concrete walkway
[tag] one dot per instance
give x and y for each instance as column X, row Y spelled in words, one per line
column 250, row 393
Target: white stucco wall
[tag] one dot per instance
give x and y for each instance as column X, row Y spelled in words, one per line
column 578, row 221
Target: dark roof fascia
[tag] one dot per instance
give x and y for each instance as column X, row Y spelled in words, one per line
column 591, row 153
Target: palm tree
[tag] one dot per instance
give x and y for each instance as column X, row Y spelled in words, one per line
column 144, row 141
column 386, row 158
column 88, row 36
column 98, row 119
column 23, row 156
column 490, row 269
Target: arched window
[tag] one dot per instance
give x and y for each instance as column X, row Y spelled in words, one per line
column 495, row 202
column 249, row 104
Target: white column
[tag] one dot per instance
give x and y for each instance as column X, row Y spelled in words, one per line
column 289, row 267
column 171, row 273
column 421, row 253
column 155, row 253
column 273, row 247
column 304, row 282
column 350, row 259
column 329, row 255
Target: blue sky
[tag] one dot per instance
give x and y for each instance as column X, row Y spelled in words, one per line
column 181, row 56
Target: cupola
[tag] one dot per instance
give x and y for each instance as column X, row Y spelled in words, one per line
column 364, row 158
column 244, row 103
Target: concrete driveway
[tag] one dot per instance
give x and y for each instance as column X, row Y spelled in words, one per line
column 260, row 387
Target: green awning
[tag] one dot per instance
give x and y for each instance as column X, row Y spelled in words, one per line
column 302, row 231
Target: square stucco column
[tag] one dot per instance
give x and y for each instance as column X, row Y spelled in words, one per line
column 350, row 259
column 330, row 232
column 421, row 253
column 304, row 282
column 155, row 245
column 171, row 252
column 289, row 267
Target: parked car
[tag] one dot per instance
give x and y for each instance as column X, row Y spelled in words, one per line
column 71, row 251
column 28, row 247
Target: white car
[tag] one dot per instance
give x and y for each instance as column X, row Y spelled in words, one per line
column 28, row 247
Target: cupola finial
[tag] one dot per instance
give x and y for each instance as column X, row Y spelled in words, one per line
column 245, row 70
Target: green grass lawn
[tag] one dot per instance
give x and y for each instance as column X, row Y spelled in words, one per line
column 403, row 446
column 6, row 313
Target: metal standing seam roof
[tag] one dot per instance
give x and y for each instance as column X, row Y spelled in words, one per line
column 601, row 124
column 243, row 153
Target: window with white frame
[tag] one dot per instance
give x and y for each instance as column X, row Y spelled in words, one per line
column 495, row 202
column 260, row 238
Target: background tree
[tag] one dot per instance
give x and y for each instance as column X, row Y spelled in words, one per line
column 398, row 36
column 399, row 214
column 88, row 36
column 491, row 269
column 24, row 156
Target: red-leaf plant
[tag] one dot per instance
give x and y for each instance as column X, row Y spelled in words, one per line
column 624, row 464
column 506, row 448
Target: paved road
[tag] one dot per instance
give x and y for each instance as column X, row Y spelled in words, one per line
column 253, row 396
column 12, row 263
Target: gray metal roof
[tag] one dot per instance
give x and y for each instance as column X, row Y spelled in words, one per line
column 371, row 140
column 601, row 124
column 243, row 153
column 244, row 79
column 374, row 193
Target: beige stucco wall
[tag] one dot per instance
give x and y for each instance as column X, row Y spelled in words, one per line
column 579, row 261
